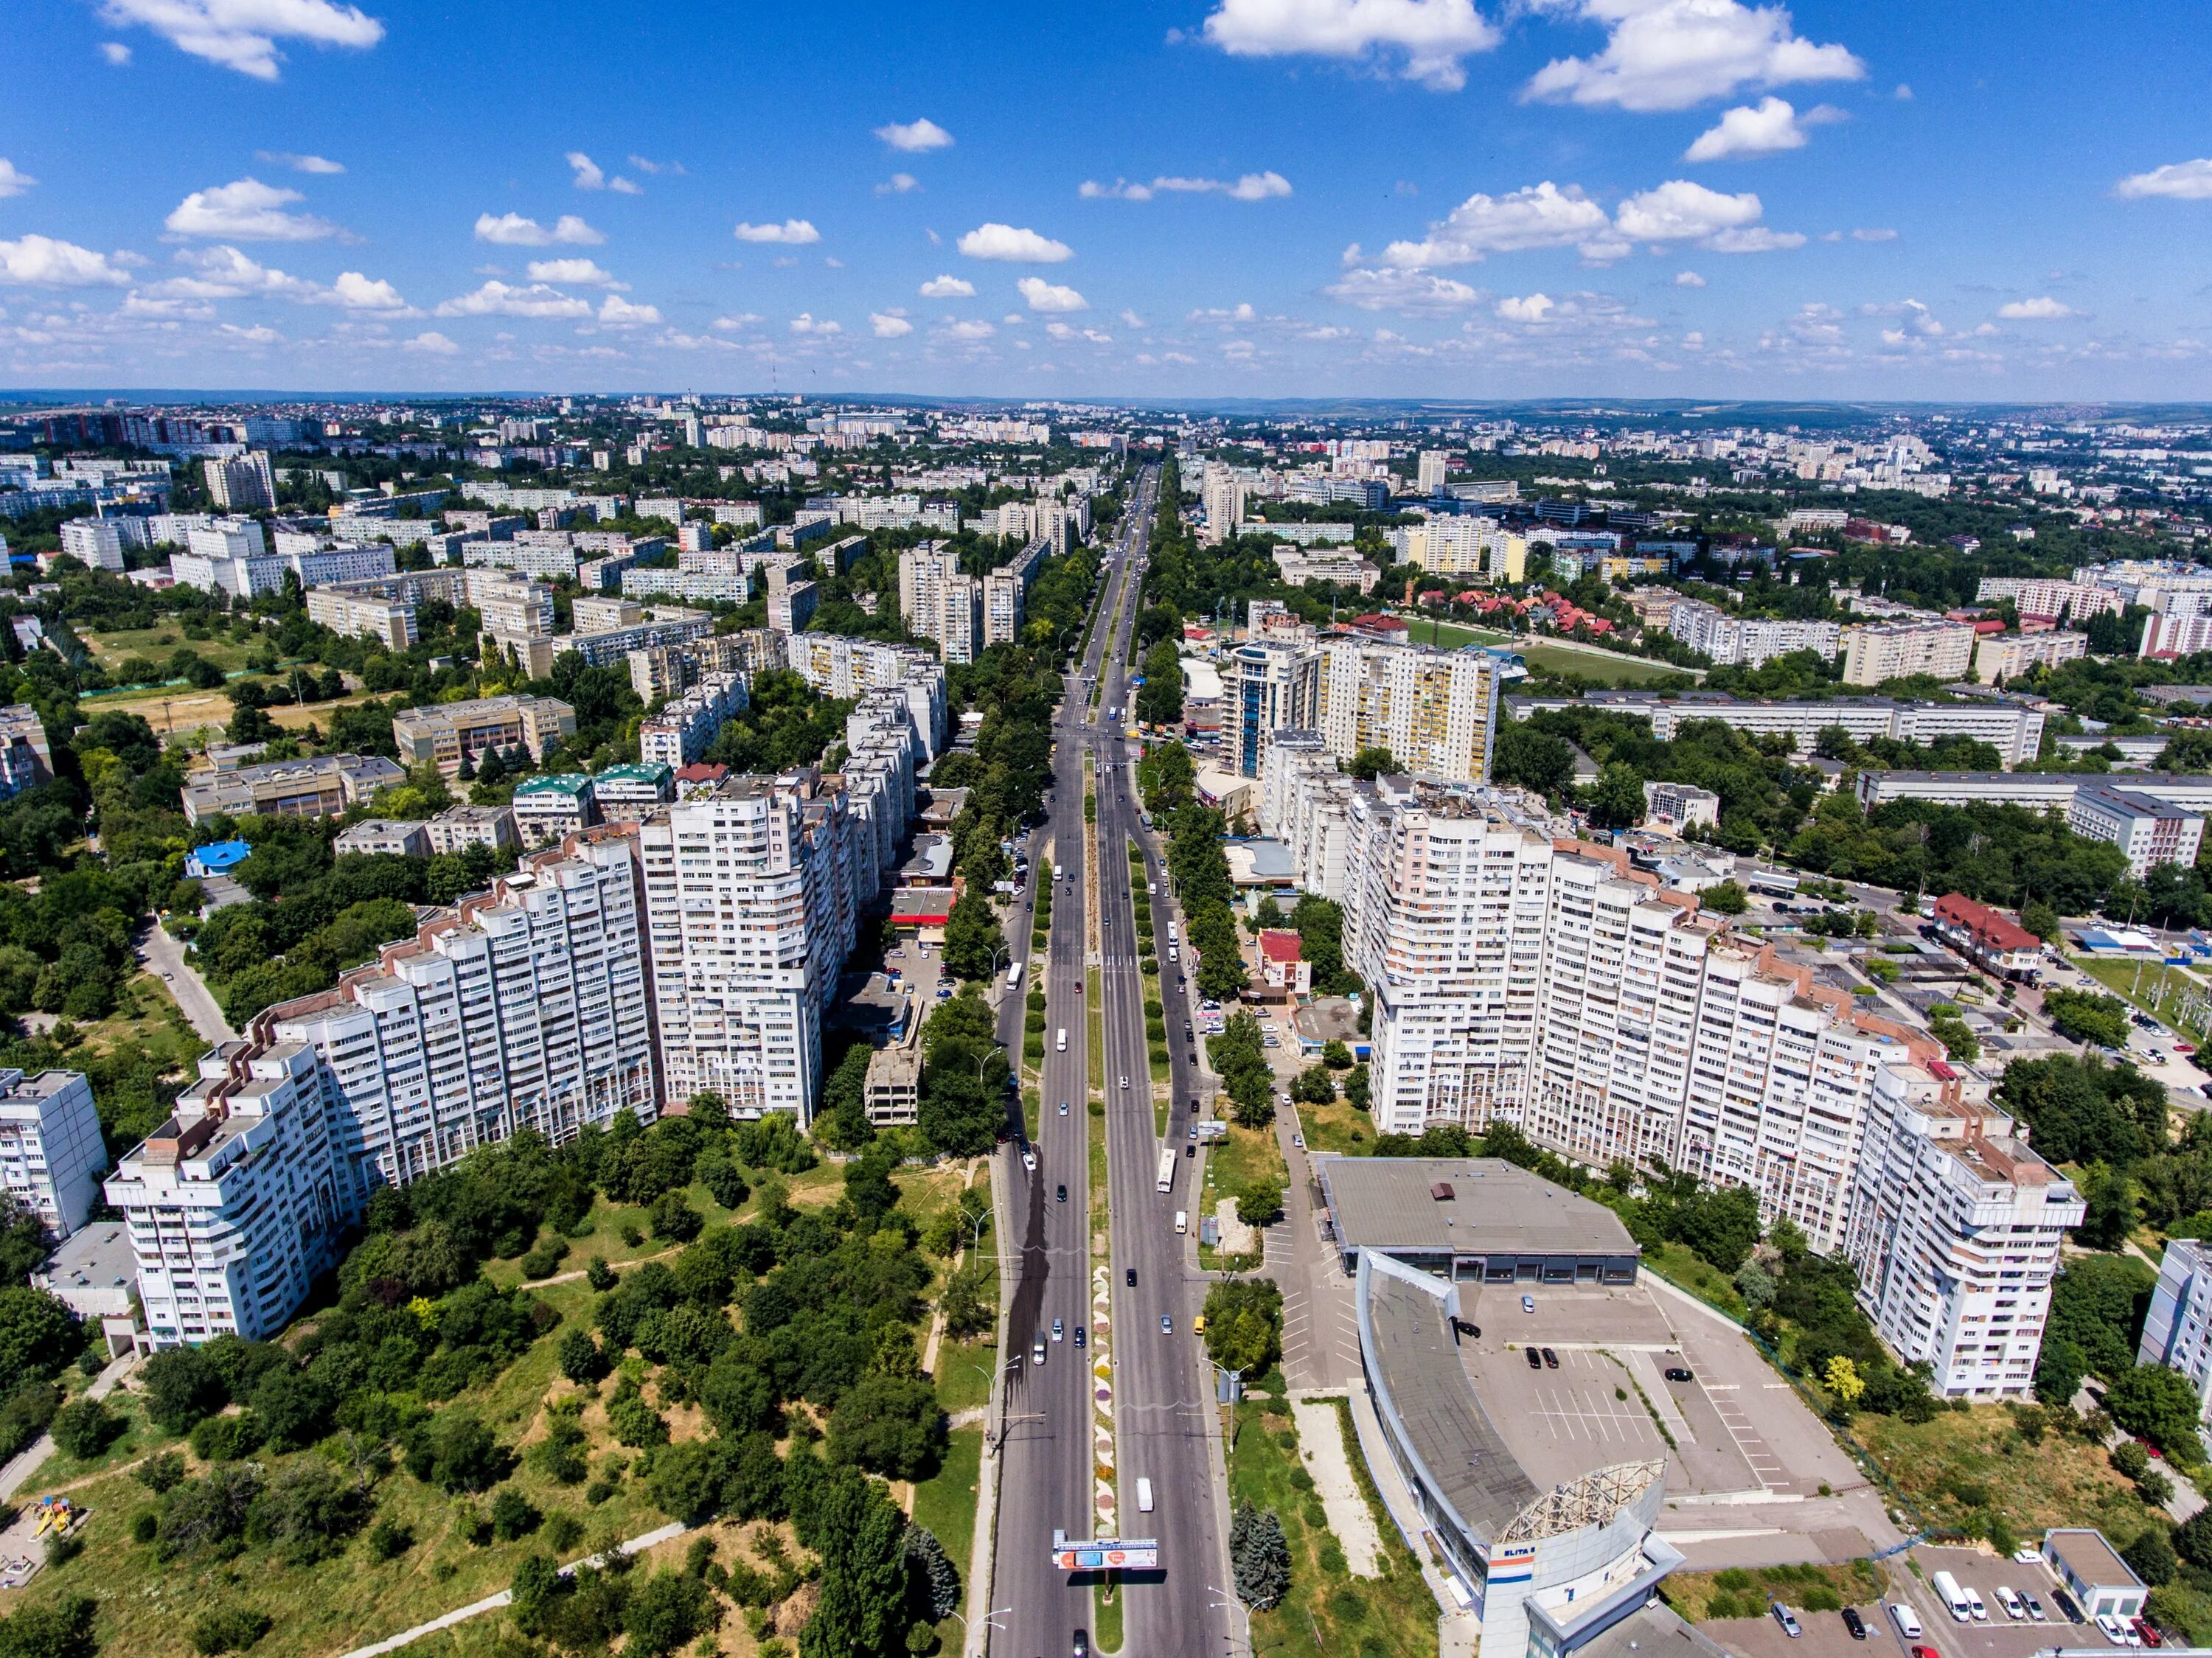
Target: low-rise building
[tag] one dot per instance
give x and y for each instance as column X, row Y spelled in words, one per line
column 384, row 837
column 1282, row 971
column 1679, row 806
column 326, row 786
column 1992, row 942
column 2000, row 657
column 548, row 809
column 2150, row 831
column 459, row 828
column 448, row 733
column 628, row 792
column 892, row 1097
column 94, row 1273
column 2101, row 1583
column 25, row 760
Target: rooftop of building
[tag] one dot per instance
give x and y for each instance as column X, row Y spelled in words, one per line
column 222, row 855
column 470, row 814
column 636, row 771
column 473, row 706
column 2130, row 803
column 96, row 1256
column 1996, row 930
column 1464, row 1205
column 15, row 1085
column 567, row 782
column 1278, row 944
column 2093, row 1560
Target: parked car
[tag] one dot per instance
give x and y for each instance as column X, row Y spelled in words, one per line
column 2035, row 1613
column 1788, row 1620
column 1527, row 1303
column 2065, row 1604
column 2113, row 1631
column 1676, row 1373
column 1551, row 1359
column 2026, row 1557
column 1298, row 1142
column 2011, row 1602
column 2151, row 1637
column 1976, row 1606
column 1854, row 1623
column 1535, row 1360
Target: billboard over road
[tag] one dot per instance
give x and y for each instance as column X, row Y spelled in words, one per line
column 1109, row 1554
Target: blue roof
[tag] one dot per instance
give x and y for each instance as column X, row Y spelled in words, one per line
column 222, row 855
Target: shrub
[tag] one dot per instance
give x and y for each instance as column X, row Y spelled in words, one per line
column 230, row 1629
column 85, row 1429
column 388, row 1540
column 513, row 1515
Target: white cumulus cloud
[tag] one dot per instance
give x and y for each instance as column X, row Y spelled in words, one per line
column 13, row 182
column 914, row 137
column 243, row 34
column 430, row 343
column 499, row 299
column 1426, row 39
column 35, row 261
column 247, row 210
column 1674, row 54
column 899, row 184
column 1541, row 215
column 1046, row 296
column 1018, row 245
column 512, row 230
column 1530, row 308
column 804, row 323
column 1755, row 239
column 1766, row 128
column 1417, row 293
column 618, row 312
column 890, row 324
column 1688, row 279
column 115, row 52
column 2042, row 309
column 977, row 330
column 948, row 287
column 316, row 164
column 578, row 273
column 589, row 176
column 2187, row 181
column 1679, row 210
column 796, row 233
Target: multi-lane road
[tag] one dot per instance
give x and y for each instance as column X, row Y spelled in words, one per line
column 1159, row 1385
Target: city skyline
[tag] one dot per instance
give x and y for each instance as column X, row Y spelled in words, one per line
column 1567, row 198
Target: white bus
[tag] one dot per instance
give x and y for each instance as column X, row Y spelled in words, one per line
column 1167, row 1171
column 1014, row 977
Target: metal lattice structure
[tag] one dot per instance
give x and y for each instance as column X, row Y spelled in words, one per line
column 1592, row 1500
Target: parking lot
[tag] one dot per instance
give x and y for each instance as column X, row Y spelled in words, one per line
column 1824, row 1636
column 2002, row 1636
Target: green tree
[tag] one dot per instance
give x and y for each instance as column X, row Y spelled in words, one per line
column 1260, row 1203
column 860, row 1539
column 1369, row 763
column 1726, row 899
column 1616, row 799
column 1259, row 1557
column 890, row 1425
column 973, row 944
column 38, row 1334
column 85, row 1429
column 2156, row 1402
column 61, row 1629
column 2087, row 1016
column 666, row 1611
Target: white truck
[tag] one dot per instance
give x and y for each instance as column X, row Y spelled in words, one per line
column 1953, row 1597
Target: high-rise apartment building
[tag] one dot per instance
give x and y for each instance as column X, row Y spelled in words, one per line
column 1267, row 686
column 526, row 1008
column 237, row 1202
column 1729, row 639
column 750, row 905
column 680, row 733
column 1519, row 974
column 2177, row 1332
column 1455, row 546
column 842, row 667
column 1431, row 470
column 51, row 1154
column 1222, row 493
column 94, row 543
column 1435, row 711
column 939, row 602
column 1955, row 1232
column 242, row 484
column 1875, row 652
column 1006, row 594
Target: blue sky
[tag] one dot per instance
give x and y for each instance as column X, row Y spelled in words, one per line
column 1465, row 198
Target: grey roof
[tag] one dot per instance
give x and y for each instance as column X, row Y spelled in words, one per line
column 2093, row 1560
column 1468, row 1459
column 1386, row 1203
column 1653, row 1631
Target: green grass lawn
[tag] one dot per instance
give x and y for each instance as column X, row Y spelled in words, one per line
column 1683, row 1267
column 1393, row 1615
column 1596, row 662
column 946, row 1504
column 158, row 645
column 2120, row 978
column 963, row 1370
column 1338, row 1126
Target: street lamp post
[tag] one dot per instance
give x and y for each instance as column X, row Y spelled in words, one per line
column 1239, row 1607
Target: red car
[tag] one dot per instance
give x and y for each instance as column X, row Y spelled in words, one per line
column 2149, row 1630
column 1925, row 1652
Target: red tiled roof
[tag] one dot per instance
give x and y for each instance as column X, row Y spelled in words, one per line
column 1992, row 930
column 1278, row 944
column 701, row 772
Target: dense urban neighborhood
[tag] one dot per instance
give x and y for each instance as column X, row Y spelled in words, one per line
column 788, row 1023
